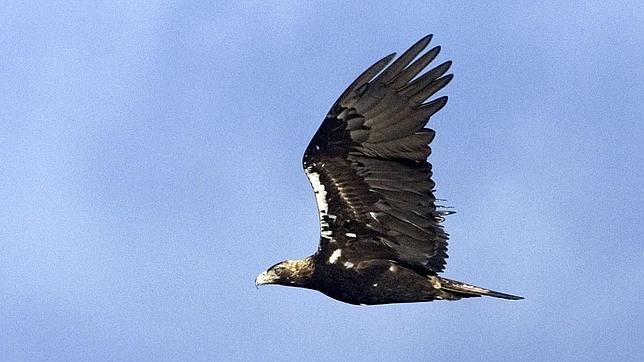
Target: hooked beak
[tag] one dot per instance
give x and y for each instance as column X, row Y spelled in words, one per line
column 265, row 277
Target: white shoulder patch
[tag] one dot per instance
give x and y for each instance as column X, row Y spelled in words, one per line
column 348, row 264
column 320, row 199
column 335, row 256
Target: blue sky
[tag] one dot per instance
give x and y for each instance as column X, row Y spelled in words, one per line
column 151, row 168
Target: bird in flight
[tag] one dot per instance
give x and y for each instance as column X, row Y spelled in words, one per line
column 381, row 238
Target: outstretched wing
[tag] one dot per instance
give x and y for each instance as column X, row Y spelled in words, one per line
column 368, row 165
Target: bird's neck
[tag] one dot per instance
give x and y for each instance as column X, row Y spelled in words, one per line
column 300, row 272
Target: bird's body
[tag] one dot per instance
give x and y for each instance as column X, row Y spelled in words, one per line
column 375, row 281
column 381, row 238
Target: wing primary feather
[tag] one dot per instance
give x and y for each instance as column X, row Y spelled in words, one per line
column 366, row 76
column 434, row 106
column 425, row 79
column 416, row 67
column 432, row 88
column 404, row 60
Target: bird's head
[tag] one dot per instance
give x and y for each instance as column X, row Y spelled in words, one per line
column 288, row 272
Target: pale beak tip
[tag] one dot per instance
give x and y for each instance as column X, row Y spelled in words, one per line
column 261, row 279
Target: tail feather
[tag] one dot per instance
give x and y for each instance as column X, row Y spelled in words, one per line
column 463, row 290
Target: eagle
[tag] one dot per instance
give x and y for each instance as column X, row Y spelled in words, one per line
column 381, row 237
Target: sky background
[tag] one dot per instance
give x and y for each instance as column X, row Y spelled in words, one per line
column 150, row 169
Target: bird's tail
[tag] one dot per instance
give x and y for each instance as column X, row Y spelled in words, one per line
column 462, row 290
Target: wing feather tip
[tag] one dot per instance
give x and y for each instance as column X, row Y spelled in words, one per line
column 424, row 41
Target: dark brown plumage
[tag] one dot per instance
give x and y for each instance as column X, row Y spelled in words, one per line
column 381, row 235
